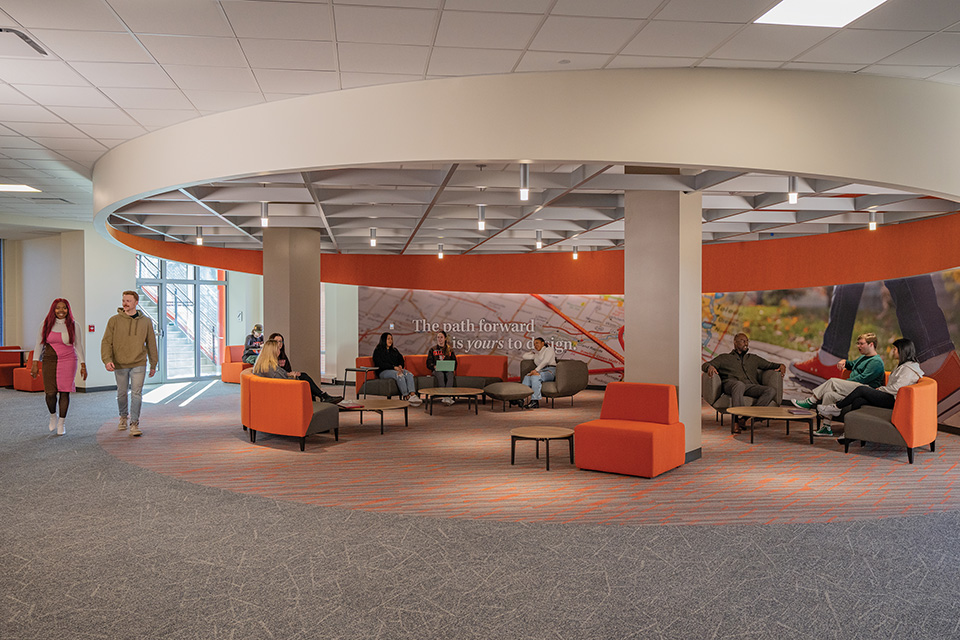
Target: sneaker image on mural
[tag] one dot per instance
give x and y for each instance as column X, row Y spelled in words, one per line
column 814, row 371
column 948, row 386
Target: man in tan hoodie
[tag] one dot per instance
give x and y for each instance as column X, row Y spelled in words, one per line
column 127, row 343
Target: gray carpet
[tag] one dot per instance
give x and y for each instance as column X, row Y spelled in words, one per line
column 95, row 548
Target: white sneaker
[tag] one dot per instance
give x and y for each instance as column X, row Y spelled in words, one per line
column 828, row 410
column 447, row 401
column 53, row 421
column 60, row 429
column 415, row 401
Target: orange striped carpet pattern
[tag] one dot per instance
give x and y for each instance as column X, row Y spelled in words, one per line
column 455, row 464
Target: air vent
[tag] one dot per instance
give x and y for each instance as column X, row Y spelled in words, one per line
column 49, row 201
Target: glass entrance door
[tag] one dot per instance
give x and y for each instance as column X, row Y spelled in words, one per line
column 187, row 305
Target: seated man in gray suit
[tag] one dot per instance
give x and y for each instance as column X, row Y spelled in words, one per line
column 740, row 373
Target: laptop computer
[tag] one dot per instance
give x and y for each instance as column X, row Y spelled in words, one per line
column 446, row 365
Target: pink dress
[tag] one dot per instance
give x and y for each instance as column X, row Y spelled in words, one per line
column 65, row 370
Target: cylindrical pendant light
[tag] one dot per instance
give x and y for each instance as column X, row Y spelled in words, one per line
column 264, row 215
column 481, row 217
column 524, row 182
column 199, row 236
column 373, row 236
column 792, row 195
column 440, row 251
column 539, row 239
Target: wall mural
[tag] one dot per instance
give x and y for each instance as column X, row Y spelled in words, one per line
column 807, row 329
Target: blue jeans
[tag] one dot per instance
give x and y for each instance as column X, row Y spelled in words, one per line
column 405, row 382
column 535, row 382
column 132, row 378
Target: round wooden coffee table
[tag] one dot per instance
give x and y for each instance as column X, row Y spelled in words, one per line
column 376, row 404
column 774, row 413
column 452, row 392
column 540, row 433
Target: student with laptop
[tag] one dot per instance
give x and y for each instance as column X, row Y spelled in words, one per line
column 443, row 362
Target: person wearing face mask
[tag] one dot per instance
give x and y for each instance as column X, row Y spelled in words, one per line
column 57, row 347
column 739, row 372
column 442, row 352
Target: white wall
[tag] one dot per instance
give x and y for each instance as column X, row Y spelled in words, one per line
column 40, row 265
column 341, row 332
column 244, row 305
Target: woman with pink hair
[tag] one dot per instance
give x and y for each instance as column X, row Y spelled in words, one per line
column 58, row 349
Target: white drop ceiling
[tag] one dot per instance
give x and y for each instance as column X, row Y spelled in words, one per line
column 118, row 69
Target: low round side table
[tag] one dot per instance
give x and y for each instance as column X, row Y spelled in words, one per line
column 545, row 434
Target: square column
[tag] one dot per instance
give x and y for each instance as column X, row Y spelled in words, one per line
column 291, row 294
column 661, row 279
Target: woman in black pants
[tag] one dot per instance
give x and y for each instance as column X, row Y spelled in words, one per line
column 283, row 362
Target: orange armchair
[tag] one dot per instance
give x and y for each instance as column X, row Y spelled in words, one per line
column 284, row 408
column 911, row 423
column 233, row 364
column 23, row 381
column 639, row 432
column 8, row 362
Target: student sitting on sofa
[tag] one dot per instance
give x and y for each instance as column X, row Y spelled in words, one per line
column 907, row 372
column 389, row 362
column 445, row 374
column 267, row 366
column 284, row 363
column 253, row 344
column 545, row 369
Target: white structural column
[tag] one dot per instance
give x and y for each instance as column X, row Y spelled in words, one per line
column 291, row 294
column 661, row 279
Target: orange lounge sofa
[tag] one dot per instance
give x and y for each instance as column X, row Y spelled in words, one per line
column 8, row 362
column 233, row 364
column 473, row 370
column 639, row 432
column 23, row 381
column 284, row 408
column 911, row 423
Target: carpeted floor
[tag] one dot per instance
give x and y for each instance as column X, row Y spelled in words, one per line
column 106, row 536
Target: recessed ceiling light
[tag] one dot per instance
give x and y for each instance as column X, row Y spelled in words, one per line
column 818, row 13
column 18, row 187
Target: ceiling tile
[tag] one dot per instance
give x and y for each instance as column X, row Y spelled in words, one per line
column 584, row 35
column 92, row 46
column 454, row 62
column 86, row 158
column 86, row 15
column 638, row 62
column 9, row 95
column 158, row 118
column 951, row 76
column 50, row 72
column 771, row 42
column 385, row 26
column 11, row 140
column 283, row 21
column 45, row 129
column 148, row 98
column 112, row 131
column 720, row 63
column 181, row 17
column 290, row 54
column 130, row 75
column 26, row 154
column 276, row 97
column 356, row 80
column 212, row 78
column 223, row 100
column 383, row 58
column 66, row 96
column 79, row 143
column 88, row 115
column 663, row 38
column 938, row 49
column 408, row 4
column 739, row 11
column 824, row 66
column 606, row 8
column 506, row 6
column 213, row 52
column 296, row 81
column 549, row 61
column 911, row 15
column 861, row 46
column 26, row 113
column 903, row 71
column 486, row 30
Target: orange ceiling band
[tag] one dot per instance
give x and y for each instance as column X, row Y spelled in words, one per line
column 893, row 251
